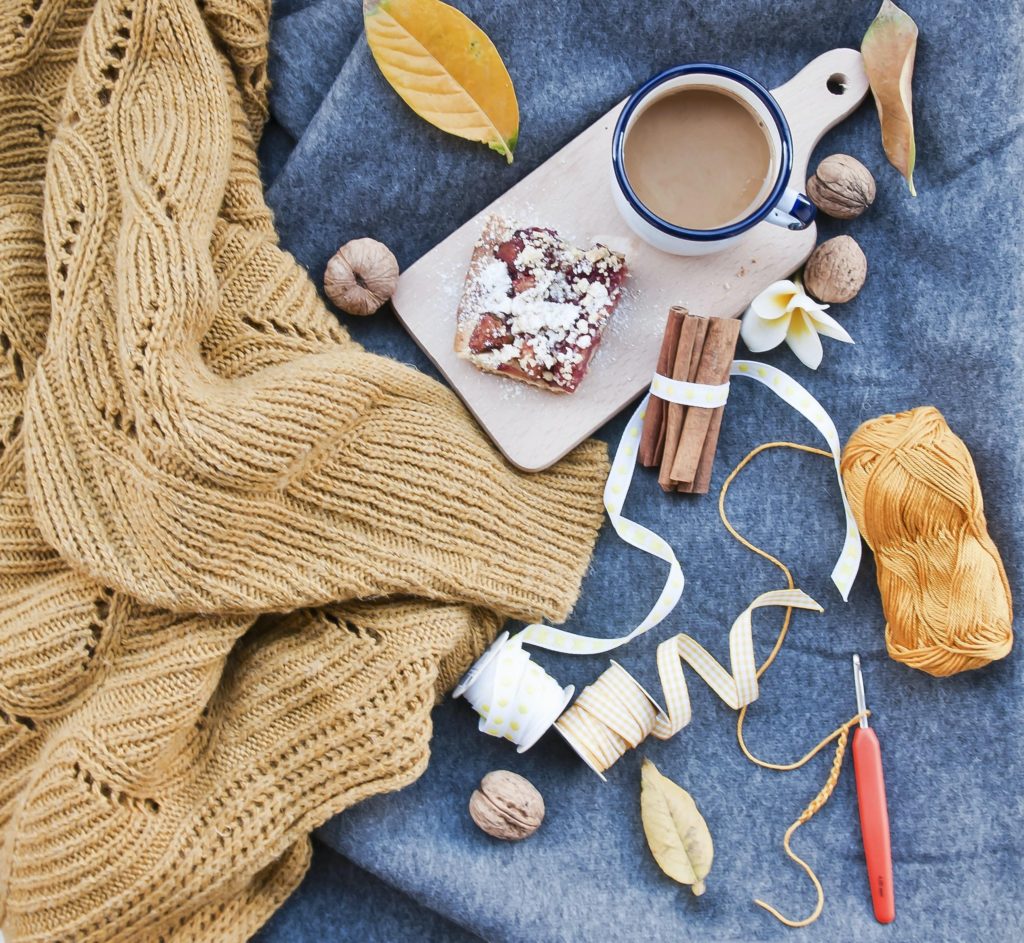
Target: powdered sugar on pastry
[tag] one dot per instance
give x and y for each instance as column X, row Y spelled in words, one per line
column 534, row 307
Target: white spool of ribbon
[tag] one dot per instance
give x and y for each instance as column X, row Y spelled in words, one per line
column 515, row 697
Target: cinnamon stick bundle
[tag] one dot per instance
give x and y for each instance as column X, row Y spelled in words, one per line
column 681, row 440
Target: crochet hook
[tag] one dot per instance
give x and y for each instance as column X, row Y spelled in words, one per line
column 874, row 813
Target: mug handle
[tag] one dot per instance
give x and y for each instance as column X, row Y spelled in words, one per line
column 793, row 211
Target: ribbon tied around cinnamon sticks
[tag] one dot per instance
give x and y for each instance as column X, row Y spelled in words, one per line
column 680, row 435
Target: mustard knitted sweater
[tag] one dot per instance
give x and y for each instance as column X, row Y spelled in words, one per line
column 240, row 558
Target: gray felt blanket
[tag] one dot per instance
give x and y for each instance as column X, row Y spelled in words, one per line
column 937, row 323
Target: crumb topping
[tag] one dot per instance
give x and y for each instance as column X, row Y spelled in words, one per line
column 540, row 305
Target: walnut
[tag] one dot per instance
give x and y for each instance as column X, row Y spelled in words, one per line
column 842, row 187
column 836, row 270
column 507, row 806
column 361, row 276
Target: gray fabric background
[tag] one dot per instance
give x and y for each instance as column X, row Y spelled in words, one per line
column 937, row 323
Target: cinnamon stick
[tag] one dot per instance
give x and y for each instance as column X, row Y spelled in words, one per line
column 701, row 483
column 685, row 365
column 702, row 480
column 715, row 361
column 652, row 440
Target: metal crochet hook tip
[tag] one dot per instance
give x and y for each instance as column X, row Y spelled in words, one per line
column 858, row 683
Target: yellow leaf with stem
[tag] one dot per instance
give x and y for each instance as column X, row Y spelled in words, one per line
column 445, row 68
column 889, row 47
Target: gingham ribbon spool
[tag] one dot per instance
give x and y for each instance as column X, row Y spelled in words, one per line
column 616, row 714
column 636, row 535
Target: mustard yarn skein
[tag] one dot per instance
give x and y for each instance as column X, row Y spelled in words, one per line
column 915, row 494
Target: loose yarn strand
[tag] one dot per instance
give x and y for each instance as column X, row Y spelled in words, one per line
column 840, row 734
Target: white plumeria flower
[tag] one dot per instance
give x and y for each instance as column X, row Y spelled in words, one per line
column 785, row 312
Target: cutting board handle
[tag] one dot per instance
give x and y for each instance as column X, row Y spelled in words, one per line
column 817, row 98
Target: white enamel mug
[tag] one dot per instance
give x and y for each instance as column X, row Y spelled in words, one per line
column 782, row 206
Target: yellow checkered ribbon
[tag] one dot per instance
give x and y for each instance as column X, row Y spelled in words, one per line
column 615, row 714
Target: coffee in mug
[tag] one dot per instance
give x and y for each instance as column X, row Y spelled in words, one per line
column 699, row 158
column 701, row 154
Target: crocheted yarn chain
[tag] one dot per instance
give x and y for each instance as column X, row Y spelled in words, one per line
column 840, row 735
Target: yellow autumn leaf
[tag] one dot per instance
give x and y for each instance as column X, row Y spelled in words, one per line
column 889, row 48
column 445, row 68
column 676, row 832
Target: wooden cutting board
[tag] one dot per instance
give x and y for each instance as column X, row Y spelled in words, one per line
column 571, row 192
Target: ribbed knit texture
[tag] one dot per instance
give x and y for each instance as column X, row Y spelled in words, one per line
column 240, row 558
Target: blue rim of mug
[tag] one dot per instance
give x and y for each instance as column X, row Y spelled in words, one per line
column 785, row 161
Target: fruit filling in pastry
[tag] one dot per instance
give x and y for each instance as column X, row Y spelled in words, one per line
column 534, row 307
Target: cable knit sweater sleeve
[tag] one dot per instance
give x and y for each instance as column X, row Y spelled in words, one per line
column 182, row 421
column 331, row 475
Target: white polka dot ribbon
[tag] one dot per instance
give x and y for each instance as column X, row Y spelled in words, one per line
column 615, row 713
column 515, row 697
column 689, row 394
column 504, row 673
column 636, row 535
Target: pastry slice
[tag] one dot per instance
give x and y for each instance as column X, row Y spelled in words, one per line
column 534, row 308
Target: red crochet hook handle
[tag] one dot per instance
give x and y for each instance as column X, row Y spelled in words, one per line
column 874, row 821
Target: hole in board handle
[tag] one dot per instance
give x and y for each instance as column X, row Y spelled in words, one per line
column 836, row 83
